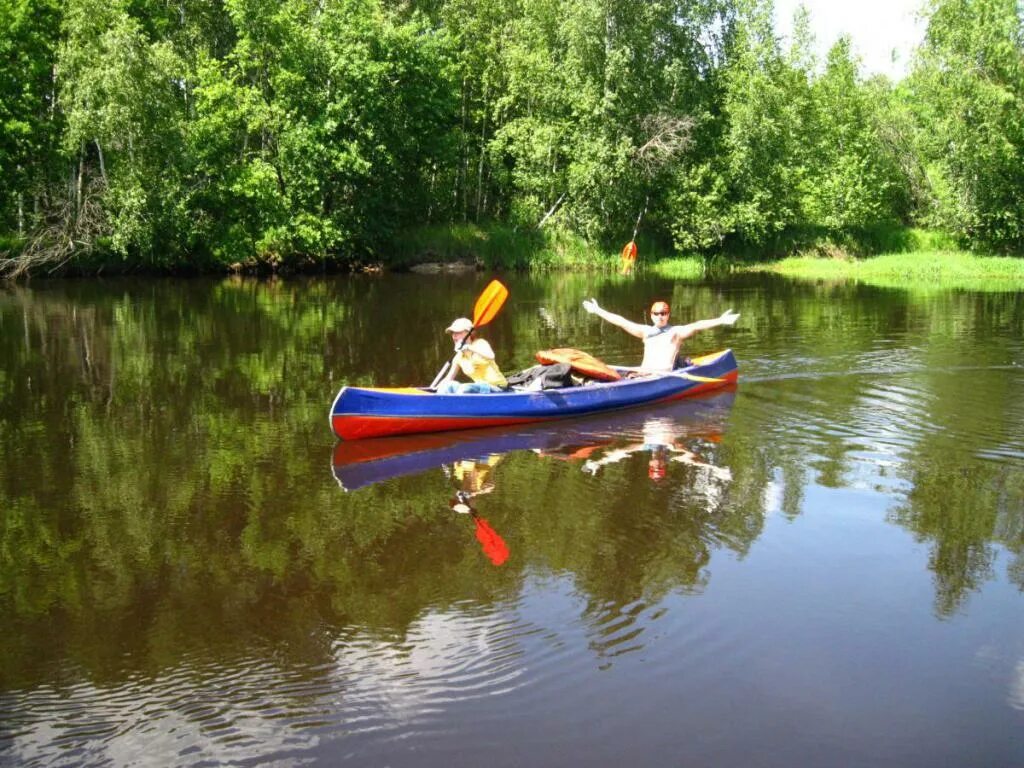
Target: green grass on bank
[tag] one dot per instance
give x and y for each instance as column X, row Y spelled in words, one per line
column 915, row 269
column 917, row 260
column 679, row 267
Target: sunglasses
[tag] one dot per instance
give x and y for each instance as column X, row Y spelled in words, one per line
column 659, row 314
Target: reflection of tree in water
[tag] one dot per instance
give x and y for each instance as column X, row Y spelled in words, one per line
column 965, row 508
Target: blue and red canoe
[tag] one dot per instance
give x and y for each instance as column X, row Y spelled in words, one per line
column 363, row 412
column 365, row 462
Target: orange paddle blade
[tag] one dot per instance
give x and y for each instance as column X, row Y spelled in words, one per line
column 489, row 303
column 628, row 257
column 493, row 545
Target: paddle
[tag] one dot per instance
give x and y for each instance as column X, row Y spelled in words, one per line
column 487, row 306
column 629, row 250
column 677, row 374
column 490, row 541
column 628, row 257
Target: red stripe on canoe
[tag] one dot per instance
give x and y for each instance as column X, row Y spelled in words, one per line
column 352, row 427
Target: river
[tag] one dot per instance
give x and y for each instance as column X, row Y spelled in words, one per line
column 821, row 566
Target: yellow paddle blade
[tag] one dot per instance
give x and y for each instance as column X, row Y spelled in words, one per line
column 489, row 303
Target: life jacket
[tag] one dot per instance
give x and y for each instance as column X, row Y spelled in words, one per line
column 581, row 362
column 476, row 360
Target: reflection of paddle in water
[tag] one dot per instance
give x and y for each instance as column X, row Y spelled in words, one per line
column 473, row 479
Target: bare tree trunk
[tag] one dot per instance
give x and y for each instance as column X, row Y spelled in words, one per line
column 103, row 166
column 487, row 185
column 551, row 210
column 78, row 182
column 480, row 164
column 430, row 194
column 460, row 178
column 21, row 213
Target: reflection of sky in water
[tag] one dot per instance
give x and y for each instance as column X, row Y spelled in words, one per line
column 1017, row 687
column 773, row 492
column 767, row 627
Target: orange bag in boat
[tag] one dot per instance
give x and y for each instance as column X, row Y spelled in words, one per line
column 581, row 362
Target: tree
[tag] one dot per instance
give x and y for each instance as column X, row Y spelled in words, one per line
column 318, row 133
column 969, row 85
column 30, row 125
column 748, row 186
column 856, row 179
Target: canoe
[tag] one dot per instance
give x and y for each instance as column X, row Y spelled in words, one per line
column 365, row 412
column 360, row 463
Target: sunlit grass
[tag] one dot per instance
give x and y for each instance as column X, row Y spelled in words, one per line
column 914, row 269
column 679, row 268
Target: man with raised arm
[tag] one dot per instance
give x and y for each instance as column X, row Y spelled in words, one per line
column 661, row 340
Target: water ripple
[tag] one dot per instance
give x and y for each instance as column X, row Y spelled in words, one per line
column 889, row 416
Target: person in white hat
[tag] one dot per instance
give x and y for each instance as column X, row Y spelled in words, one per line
column 475, row 359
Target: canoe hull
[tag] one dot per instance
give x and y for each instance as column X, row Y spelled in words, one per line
column 359, row 412
column 359, row 463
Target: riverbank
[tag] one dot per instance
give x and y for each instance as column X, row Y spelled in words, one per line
column 894, row 256
column 890, row 257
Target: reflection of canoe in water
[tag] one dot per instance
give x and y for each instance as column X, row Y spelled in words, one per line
column 366, row 412
column 365, row 462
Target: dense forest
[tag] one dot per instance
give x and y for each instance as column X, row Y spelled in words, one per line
column 196, row 134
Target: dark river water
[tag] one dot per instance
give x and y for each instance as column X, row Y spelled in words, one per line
column 822, row 566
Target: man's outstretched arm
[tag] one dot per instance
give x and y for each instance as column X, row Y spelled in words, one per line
column 627, row 325
column 686, row 331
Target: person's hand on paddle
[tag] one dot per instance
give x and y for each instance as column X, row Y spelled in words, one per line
column 591, row 305
column 729, row 317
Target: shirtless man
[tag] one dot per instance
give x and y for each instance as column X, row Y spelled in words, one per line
column 661, row 340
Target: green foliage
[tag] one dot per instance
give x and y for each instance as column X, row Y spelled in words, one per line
column 30, row 127
column 969, row 94
column 498, row 247
column 298, row 134
column 317, row 131
column 856, row 179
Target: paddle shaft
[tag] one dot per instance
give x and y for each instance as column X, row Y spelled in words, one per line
column 677, row 374
column 458, row 351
